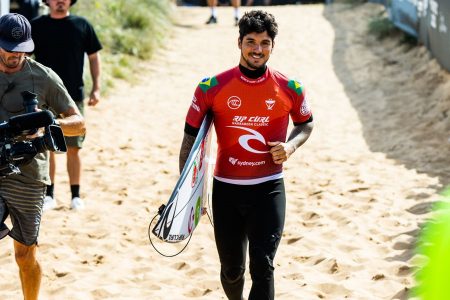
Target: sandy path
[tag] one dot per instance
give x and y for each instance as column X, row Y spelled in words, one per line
column 357, row 191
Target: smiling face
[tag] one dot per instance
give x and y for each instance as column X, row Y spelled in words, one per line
column 255, row 50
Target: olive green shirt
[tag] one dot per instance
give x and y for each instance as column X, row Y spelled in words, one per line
column 52, row 95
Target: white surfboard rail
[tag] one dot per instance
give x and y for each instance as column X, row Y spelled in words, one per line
column 180, row 216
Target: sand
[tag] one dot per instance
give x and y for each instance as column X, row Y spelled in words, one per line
column 357, row 191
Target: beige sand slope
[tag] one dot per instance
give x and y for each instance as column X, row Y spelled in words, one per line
column 357, row 191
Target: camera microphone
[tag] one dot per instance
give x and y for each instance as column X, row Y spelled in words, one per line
column 33, row 120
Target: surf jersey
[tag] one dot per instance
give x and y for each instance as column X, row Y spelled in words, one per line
column 248, row 113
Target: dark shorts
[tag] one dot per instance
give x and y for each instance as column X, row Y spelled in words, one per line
column 76, row 141
column 23, row 201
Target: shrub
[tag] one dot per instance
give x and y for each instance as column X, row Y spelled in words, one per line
column 382, row 27
column 129, row 30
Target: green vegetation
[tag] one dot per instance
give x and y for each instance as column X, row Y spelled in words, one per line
column 381, row 27
column 129, row 30
column 434, row 246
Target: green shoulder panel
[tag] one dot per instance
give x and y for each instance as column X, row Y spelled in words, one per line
column 208, row 83
column 296, row 86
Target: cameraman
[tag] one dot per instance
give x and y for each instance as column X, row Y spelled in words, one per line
column 22, row 195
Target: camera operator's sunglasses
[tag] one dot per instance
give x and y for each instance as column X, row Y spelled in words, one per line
column 11, row 51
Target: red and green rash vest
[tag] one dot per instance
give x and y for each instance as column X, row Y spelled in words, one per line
column 247, row 114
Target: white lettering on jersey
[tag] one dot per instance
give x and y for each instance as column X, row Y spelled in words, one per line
column 305, row 110
column 194, row 104
column 270, row 103
column 235, row 161
column 261, row 79
column 251, row 121
column 255, row 135
column 239, row 119
column 234, row 102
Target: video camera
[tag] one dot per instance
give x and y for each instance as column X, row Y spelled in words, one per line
column 16, row 149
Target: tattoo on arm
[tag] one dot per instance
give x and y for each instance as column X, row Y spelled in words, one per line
column 300, row 134
column 186, row 146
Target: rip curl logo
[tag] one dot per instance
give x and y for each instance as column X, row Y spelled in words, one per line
column 17, row 33
column 234, row 102
column 244, row 139
column 251, row 121
column 304, row 109
column 270, row 103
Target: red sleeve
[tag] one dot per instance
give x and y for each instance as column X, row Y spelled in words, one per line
column 301, row 111
column 198, row 109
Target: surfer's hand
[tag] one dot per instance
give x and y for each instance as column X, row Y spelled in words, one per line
column 204, row 212
column 280, row 151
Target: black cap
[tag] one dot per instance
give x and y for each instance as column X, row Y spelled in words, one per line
column 72, row 2
column 15, row 33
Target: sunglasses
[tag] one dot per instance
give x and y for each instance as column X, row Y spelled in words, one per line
column 11, row 51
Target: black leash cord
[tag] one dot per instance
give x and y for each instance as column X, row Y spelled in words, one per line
column 153, row 245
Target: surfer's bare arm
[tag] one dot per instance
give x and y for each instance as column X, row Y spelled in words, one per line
column 299, row 135
column 186, row 146
column 190, row 133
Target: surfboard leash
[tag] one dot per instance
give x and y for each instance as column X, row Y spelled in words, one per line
column 153, row 245
column 208, row 210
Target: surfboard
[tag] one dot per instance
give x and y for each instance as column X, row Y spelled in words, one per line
column 180, row 216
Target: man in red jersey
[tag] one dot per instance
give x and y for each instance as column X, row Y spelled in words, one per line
column 251, row 105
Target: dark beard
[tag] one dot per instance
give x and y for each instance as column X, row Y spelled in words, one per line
column 252, row 66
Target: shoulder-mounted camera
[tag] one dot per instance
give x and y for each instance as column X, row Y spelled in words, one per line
column 17, row 148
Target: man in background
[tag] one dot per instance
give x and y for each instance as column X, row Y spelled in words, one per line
column 61, row 41
column 213, row 5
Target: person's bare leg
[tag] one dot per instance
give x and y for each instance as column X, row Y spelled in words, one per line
column 52, row 167
column 74, row 170
column 29, row 270
column 74, row 165
column 236, row 4
column 49, row 201
column 213, row 6
column 212, row 3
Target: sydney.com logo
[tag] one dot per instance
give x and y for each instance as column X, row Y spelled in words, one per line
column 235, row 161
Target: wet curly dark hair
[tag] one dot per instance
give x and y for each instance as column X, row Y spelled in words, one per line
column 258, row 21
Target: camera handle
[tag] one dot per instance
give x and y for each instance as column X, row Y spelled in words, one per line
column 30, row 101
column 54, row 139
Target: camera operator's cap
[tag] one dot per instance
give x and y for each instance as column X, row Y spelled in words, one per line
column 72, row 2
column 15, row 33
